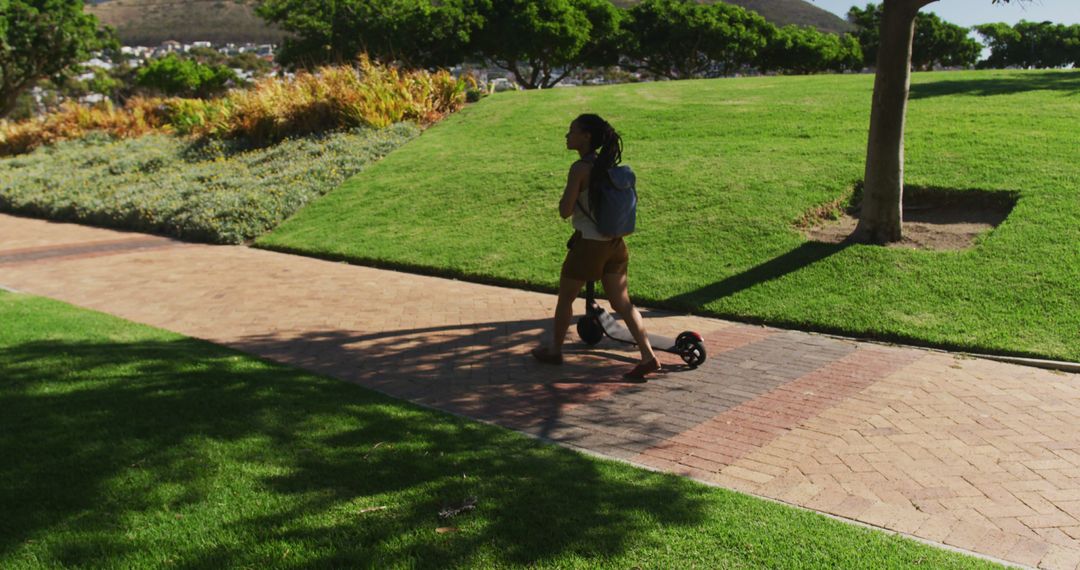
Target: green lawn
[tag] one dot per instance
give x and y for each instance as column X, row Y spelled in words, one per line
column 129, row 447
column 725, row 169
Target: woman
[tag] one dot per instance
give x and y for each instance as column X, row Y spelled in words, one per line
column 593, row 256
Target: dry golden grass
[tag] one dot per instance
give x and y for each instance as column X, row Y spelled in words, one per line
column 342, row 97
column 331, row 98
column 71, row 121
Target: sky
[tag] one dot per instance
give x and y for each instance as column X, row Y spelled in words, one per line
column 971, row 12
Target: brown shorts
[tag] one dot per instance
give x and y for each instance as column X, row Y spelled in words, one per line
column 590, row 259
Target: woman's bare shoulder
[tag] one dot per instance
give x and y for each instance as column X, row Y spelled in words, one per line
column 581, row 166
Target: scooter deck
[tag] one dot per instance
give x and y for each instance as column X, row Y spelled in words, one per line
column 617, row 331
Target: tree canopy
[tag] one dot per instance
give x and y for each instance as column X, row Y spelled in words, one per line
column 416, row 33
column 804, row 49
column 680, row 38
column 936, row 42
column 1031, row 44
column 540, row 41
column 41, row 39
column 537, row 41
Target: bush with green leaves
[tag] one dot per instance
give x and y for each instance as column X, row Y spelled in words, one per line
column 212, row 191
column 1031, row 45
column 41, row 39
column 540, row 42
column 179, row 77
column 803, row 49
column 679, row 39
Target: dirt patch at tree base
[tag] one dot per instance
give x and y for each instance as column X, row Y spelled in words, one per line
column 934, row 219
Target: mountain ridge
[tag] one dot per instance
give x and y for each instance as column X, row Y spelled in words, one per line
column 782, row 13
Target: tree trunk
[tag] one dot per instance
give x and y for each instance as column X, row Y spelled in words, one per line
column 880, row 219
column 9, row 97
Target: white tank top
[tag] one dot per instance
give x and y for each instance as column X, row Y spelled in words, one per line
column 582, row 222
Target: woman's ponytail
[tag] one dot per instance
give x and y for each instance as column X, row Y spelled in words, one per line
column 607, row 144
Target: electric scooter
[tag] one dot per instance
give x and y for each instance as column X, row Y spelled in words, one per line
column 598, row 323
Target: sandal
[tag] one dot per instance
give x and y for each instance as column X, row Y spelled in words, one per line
column 643, row 368
column 543, row 354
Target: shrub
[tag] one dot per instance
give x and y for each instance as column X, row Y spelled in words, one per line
column 213, row 190
column 795, row 49
column 197, row 116
column 174, row 76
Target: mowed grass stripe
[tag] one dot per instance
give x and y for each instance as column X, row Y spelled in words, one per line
column 725, row 168
column 130, row 447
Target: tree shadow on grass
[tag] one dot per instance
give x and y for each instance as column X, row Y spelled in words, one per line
column 924, row 204
column 105, row 441
column 1064, row 81
column 803, row 256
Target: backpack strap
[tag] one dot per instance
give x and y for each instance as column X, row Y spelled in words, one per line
column 591, row 159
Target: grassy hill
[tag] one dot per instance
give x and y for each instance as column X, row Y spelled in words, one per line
column 725, row 168
column 150, row 22
column 784, row 12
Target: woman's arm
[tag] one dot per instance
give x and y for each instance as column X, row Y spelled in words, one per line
column 575, row 183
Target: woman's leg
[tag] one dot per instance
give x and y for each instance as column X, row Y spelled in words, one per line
column 616, row 288
column 569, row 289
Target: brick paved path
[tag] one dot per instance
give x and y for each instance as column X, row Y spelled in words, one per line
column 979, row 455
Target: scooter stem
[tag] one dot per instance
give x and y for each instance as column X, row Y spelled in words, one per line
column 591, row 306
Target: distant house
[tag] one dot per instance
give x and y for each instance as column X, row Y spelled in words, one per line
column 137, row 51
column 98, row 62
column 171, row 46
column 502, row 84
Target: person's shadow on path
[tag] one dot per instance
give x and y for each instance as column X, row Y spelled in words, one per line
column 480, row 370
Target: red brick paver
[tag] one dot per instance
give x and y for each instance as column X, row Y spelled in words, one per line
column 980, row 455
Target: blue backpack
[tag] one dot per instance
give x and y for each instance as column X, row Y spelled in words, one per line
column 616, row 203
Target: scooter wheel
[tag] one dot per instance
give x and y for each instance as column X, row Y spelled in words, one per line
column 690, row 347
column 589, row 329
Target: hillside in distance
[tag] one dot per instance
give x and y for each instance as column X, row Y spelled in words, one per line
column 150, row 22
column 784, row 12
